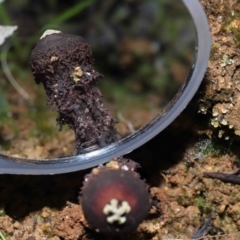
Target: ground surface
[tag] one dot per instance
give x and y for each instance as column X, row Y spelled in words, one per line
column 46, row 207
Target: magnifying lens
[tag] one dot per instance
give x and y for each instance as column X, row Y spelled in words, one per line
column 153, row 55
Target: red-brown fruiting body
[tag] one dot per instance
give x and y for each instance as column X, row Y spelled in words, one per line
column 114, row 201
column 63, row 63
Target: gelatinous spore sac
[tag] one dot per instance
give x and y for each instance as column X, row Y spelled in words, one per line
column 63, row 63
column 114, row 199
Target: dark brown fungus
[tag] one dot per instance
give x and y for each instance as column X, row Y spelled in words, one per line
column 63, row 63
column 114, row 201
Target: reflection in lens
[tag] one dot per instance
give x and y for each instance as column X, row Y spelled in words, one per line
column 144, row 49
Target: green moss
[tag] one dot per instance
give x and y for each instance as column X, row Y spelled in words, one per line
column 203, row 206
column 235, row 196
column 188, row 165
column 38, row 218
column 210, row 150
column 236, row 33
column 2, row 212
column 228, row 28
column 180, row 200
column 208, row 147
column 214, row 55
column 238, row 215
column 184, row 200
column 3, row 235
column 200, row 202
column 155, row 221
column 214, row 182
column 47, row 231
column 4, row 109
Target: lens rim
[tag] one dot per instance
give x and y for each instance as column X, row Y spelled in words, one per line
column 12, row 165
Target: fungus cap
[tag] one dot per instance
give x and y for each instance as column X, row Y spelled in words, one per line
column 69, row 50
column 115, row 202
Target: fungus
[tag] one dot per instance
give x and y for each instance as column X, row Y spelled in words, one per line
column 114, row 198
column 63, row 63
column 114, row 201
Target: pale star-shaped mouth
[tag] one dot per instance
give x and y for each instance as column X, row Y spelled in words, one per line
column 117, row 211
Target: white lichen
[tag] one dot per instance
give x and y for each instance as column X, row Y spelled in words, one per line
column 214, row 123
column 224, row 122
column 116, row 211
column 237, row 132
column 226, row 61
column 224, row 110
column 202, row 110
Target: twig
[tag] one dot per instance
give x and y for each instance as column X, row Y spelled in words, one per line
column 8, row 74
column 206, row 228
column 224, row 177
column 128, row 123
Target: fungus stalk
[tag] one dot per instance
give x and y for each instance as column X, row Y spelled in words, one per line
column 63, row 63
